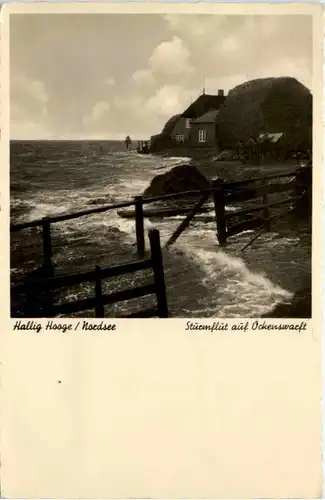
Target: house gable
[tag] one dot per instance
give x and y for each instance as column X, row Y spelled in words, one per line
column 203, row 104
column 209, row 117
column 180, row 131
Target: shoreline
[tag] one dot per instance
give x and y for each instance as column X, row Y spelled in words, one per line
column 299, row 306
column 74, row 247
column 229, row 170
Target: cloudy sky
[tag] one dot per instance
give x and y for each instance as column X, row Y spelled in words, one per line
column 108, row 75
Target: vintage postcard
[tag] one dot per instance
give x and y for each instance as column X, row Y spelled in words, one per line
column 161, row 204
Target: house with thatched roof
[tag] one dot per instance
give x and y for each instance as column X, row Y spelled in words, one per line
column 204, row 130
column 177, row 130
column 268, row 105
column 181, row 132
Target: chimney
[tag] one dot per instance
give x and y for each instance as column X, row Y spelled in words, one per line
column 221, row 92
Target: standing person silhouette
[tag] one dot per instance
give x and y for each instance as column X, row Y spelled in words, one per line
column 128, row 141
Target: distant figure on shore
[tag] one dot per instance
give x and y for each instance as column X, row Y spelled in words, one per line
column 128, row 141
column 143, row 147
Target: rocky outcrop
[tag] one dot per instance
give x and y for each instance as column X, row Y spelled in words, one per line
column 267, row 105
column 178, row 179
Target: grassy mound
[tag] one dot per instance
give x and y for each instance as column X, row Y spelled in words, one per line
column 162, row 140
column 267, row 105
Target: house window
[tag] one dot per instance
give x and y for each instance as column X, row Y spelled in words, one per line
column 179, row 138
column 202, row 135
column 187, row 122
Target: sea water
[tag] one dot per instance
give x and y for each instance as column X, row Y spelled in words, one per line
column 52, row 177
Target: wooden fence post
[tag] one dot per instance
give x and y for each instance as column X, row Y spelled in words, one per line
column 139, row 226
column 158, row 272
column 187, row 219
column 266, row 211
column 219, row 206
column 303, row 190
column 48, row 271
column 47, row 249
column 99, row 310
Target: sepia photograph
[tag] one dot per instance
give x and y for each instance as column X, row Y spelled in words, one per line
column 161, row 160
column 161, row 165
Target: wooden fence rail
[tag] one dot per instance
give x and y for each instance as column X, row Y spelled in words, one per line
column 254, row 192
column 262, row 208
column 223, row 194
column 48, row 285
column 195, row 193
column 185, row 223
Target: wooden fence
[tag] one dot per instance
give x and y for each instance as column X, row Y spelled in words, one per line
column 98, row 302
column 297, row 182
column 225, row 193
column 138, row 202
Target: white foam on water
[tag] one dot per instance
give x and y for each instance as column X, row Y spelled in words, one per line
column 234, row 290
column 166, row 164
column 42, row 209
column 273, row 240
column 127, row 226
column 230, row 208
column 238, row 291
column 180, row 159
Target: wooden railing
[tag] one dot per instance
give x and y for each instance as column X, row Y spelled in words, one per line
column 226, row 193
column 47, row 286
column 138, row 202
column 223, row 194
column 298, row 183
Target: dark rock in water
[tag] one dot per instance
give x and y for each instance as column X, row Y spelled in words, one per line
column 267, row 105
column 178, row 179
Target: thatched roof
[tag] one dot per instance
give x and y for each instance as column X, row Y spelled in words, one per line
column 203, row 104
column 267, row 105
column 169, row 125
column 209, row 117
column 161, row 141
